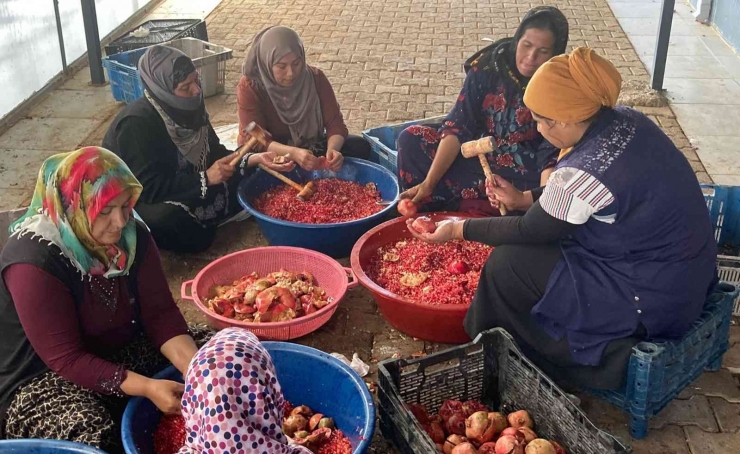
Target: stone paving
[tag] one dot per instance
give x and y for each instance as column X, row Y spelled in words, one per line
column 393, row 61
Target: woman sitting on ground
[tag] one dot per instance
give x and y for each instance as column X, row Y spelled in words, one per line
column 617, row 248
column 87, row 315
column 431, row 170
column 167, row 140
column 255, row 417
column 294, row 102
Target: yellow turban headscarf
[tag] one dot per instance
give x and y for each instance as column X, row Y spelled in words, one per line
column 572, row 88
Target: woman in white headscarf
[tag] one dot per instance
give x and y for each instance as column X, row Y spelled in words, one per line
column 294, row 102
column 167, row 141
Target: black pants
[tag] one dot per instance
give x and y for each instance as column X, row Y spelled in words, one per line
column 52, row 407
column 354, row 147
column 174, row 229
column 513, row 280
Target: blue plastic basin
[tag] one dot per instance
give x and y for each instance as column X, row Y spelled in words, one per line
column 307, row 377
column 38, row 446
column 335, row 240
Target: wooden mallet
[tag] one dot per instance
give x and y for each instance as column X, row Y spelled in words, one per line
column 260, row 135
column 479, row 148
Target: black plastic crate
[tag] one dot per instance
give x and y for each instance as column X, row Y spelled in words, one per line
column 490, row 369
column 160, row 31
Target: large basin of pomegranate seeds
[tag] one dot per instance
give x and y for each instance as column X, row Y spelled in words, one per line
column 334, row 239
column 334, row 201
column 306, row 375
column 416, row 293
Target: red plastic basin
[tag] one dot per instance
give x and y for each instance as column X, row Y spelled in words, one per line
column 441, row 323
column 329, row 274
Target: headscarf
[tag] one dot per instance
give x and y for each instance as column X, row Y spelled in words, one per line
column 298, row 106
column 232, row 400
column 71, row 190
column 162, row 68
column 573, row 88
column 501, row 55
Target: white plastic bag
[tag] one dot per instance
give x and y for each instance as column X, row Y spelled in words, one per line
column 356, row 364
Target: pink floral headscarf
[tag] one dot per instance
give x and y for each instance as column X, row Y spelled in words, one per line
column 232, row 401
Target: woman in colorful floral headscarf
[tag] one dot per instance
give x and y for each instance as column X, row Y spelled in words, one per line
column 85, row 309
column 232, row 400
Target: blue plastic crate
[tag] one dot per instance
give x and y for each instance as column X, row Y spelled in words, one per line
column 123, row 75
column 724, row 209
column 209, row 60
column 384, row 141
column 659, row 370
column 723, row 203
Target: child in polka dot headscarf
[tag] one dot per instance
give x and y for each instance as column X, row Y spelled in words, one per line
column 232, row 401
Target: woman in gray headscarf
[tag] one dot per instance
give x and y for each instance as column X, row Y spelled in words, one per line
column 168, row 142
column 294, row 102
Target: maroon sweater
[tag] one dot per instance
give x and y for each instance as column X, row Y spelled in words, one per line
column 70, row 337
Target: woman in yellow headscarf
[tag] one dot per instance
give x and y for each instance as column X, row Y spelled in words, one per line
column 616, row 248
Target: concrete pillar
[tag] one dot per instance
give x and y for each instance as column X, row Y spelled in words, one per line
column 703, row 8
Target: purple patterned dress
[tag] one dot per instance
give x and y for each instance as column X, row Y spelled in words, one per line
column 490, row 104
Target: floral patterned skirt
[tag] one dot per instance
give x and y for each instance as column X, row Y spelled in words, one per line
column 463, row 182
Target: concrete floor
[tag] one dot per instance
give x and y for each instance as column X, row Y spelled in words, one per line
column 389, row 61
column 702, row 81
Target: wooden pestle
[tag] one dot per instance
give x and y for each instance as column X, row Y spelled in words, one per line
column 260, row 135
column 479, row 148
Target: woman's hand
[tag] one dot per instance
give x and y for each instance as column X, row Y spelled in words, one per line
column 267, row 160
column 447, row 230
column 166, row 395
column 304, row 158
column 334, row 160
column 221, row 170
column 501, row 191
column 418, row 194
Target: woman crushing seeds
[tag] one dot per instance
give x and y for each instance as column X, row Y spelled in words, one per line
column 232, row 400
column 431, row 170
column 86, row 315
column 294, row 102
column 167, row 140
column 618, row 247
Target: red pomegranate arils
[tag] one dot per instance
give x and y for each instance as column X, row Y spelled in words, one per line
column 418, row 271
column 337, row 444
column 333, row 201
column 169, row 436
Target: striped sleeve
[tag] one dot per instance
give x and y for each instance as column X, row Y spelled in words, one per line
column 573, row 195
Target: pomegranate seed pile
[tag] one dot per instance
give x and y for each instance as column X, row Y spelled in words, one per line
column 333, row 201
column 169, row 436
column 338, row 444
column 419, row 271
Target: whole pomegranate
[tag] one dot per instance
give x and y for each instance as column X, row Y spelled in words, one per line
column 471, row 406
column 424, row 224
column 464, row 448
column 558, row 449
column 509, row 445
column 452, row 441
column 540, row 446
column 498, row 421
column 458, row 267
column 435, row 431
column 487, row 448
column 478, row 428
column 519, row 419
column 528, row 433
column 407, row 208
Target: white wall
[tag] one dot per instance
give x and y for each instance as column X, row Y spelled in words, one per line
column 29, row 44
